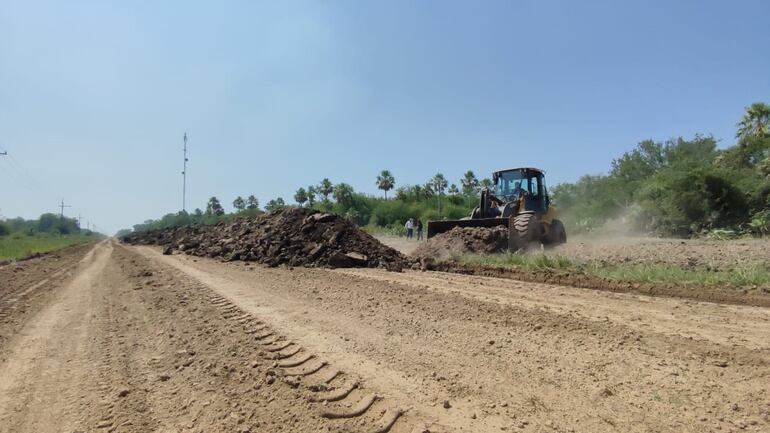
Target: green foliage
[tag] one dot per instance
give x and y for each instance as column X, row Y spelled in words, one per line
column 20, row 238
column 213, row 207
column 325, row 188
column 251, row 203
column 439, row 183
column 759, row 224
column 678, row 187
column 393, row 212
column 301, row 196
column 343, row 194
column 469, row 183
column 276, row 203
column 755, row 122
column 239, row 204
column 721, row 234
column 18, row 245
column 312, row 192
column 386, row 181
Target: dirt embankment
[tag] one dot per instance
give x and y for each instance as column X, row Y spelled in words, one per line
column 293, row 237
column 706, row 254
column 724, row 295
column 440, row 253
column 463, row 240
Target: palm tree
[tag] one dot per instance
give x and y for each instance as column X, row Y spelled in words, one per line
column 439, row 184
column 386, row 182
column 486, row 182
column 252, row 202
column 300, row 196
column 343, row 193
column 213, row 207
column 755, row 122
column 453, row 190
column 325, row 188
column 469, row 183
column 425, row 191
column 274, row 204
column 311, row 193
column 239, row 204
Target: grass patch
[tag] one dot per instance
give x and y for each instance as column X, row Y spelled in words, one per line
column 747, row 275
column 18, row 246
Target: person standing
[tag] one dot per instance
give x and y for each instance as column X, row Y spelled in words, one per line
column 419, row 229
column 409, row 228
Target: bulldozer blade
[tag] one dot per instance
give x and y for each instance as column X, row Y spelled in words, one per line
column 437, row 227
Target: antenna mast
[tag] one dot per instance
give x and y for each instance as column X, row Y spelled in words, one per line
column 184, row 174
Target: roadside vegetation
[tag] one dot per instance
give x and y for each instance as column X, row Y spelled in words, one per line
column 20, row 238
column 744, row 275
column 680, row 187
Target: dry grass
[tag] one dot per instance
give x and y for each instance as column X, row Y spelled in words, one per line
column 747, row 275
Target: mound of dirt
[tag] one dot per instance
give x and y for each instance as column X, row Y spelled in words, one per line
column 464, row 240
column 292, row 236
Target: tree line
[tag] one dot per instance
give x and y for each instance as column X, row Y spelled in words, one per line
column 47, row 223
column 434, row 199
column 681, row 187
column 677, row 187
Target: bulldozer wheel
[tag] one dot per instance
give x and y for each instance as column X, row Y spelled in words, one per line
column 556, row 235
column 528, row 228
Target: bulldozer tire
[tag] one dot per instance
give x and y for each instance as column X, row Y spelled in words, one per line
column 557, row 235
column 528, row 228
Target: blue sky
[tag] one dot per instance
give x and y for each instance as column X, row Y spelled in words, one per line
column 95, row 96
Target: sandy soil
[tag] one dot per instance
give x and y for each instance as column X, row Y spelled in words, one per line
column 686, row 253
column 134, row 341
column 401, row 243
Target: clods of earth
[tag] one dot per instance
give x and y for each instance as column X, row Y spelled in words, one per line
column 291, row 237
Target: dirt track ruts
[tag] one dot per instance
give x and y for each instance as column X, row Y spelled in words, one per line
column 136, row 341
column 518, row 355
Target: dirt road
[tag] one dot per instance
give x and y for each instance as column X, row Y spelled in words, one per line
column 136, row 341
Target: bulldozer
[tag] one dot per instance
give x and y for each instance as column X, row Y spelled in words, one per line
column 518, row 200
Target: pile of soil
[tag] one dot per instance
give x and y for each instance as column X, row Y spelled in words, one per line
column 292, row 237
column 464, row 240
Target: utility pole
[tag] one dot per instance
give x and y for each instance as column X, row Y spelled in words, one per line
column 62, row 206
column 184, row 173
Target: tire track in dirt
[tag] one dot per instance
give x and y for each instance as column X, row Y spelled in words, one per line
column 699, row 320
column 457, row 356
column 131, row 345
column 33, row 374
column 299, row 368
column 27, row 286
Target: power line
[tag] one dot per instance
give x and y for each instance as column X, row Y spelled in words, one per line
column 62, row 206
column 184, row 173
